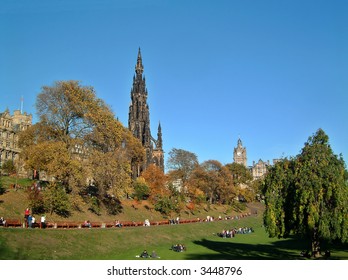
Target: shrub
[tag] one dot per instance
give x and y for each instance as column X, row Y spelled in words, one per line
column 141, row 189
column 2, row 188
column 165, row 205
column 57, row 200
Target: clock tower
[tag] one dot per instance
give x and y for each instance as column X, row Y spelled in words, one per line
column 239, row 154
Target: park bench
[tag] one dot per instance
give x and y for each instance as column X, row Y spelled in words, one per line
column 188, row 221
column 96, row 225
column 67, row 225
column 13, row 223
column 109, row 224
column 92, row 225
column 159, row 223
column 131, row 224
column 50, row 225
column 35, row 225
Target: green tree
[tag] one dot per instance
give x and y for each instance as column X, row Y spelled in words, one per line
column 242, row 180
column 57, row 200
column 240, row 174
column 2, row 188
column 308, row 195
column 278, row 189
column 141, row 189
column 165, row 205
column 8, row 167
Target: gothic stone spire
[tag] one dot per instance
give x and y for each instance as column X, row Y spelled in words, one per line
column 139, row 68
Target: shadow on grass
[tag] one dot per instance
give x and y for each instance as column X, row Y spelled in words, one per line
column 288, row 249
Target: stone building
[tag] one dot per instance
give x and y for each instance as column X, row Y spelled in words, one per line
column 10, row 126
column 259, row 169
column 239, row 153
column 139, row 121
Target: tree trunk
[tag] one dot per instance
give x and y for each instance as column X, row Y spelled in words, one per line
column 315, row 245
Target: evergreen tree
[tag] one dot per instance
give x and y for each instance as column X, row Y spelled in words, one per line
column 308, row 195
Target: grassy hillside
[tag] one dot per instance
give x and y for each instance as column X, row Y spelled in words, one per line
column 15, row 201
column 125, row 243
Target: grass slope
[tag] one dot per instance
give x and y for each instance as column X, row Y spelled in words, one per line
column 125, row 243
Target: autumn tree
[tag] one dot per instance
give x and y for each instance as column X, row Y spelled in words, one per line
column 52, row 144
column 214, row 180
column 308, row 195
column 111, row 173
column 181, row 163
column 156, row 180
column 78, row 138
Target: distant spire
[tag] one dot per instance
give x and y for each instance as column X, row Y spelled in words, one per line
column 22, row 101
column 139, row 68
column 239, row 143
column 159, row 136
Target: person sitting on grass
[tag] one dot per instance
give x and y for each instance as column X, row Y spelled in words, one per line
column 179, row 248
column 154, row 255
column 144, row 254
column 222, row 234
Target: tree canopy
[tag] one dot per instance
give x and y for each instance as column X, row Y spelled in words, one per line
column 77, row 139
column 181, row 163
column 308, row 194
column 214, row 180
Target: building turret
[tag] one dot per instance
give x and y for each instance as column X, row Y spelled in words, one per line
column 239, row 153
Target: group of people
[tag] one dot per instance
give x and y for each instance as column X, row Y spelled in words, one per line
column 30, row 220
column 179, row 248
column 231, row 233
column 174, row 221
column 87, row 224
column 146, row 255
column 118, row 223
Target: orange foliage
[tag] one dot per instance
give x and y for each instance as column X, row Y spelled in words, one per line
column 156, row 180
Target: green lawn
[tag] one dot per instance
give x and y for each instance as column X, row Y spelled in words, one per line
column 125, row 243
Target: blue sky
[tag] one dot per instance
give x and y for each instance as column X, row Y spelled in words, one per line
column 271, row 72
